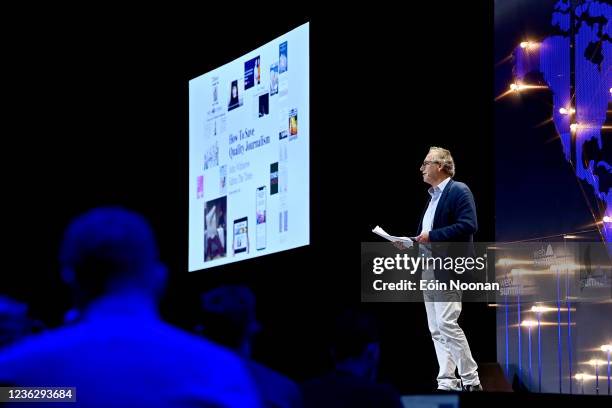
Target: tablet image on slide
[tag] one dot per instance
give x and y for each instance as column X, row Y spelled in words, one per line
column 264, row 105
column 282, row 57
column 241, row 235
column 215, row 229
column 260, row 200
column 273, row 178
column 293, row 124
column 273, row 79
column 235, row 100
column 252, row 73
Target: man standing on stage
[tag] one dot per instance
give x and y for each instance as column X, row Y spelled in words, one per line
column 450, row 217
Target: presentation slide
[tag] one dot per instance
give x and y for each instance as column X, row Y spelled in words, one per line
column 249, row 154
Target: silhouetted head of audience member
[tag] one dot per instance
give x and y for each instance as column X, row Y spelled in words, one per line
column 355, row 344
column 110, row 258
column 111, row 250
column 228, row 317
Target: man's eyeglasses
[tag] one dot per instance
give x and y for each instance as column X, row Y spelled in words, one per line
column 427, row 162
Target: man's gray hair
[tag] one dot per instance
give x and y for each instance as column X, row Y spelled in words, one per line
column 445, row 159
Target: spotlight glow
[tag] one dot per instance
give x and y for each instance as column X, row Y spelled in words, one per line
column 529, row 323
column 596, row 362
column 542, row 309
column 528, row 45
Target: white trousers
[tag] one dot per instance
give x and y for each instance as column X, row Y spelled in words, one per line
column 452, row 349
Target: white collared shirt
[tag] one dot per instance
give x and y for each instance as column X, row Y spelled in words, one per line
column 435, row 193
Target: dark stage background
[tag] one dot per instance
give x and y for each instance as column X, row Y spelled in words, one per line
column 95, row 113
